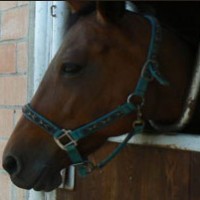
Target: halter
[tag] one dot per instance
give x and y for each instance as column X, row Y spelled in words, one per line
column 149, row 71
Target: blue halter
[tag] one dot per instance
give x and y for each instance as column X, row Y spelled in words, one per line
column 149, row 71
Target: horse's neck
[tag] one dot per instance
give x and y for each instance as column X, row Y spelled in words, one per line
column 176, row 62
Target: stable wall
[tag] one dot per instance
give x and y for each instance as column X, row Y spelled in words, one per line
column 140, row 173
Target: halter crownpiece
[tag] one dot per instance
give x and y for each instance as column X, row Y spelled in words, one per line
column 149, row 71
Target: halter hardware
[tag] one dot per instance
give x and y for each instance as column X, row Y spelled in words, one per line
column 149, row 71
column 87, row 165
column 66, row 134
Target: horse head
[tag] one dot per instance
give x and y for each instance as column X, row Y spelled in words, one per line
column 95, row 70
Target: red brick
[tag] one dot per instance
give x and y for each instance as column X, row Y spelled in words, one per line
column 20, row 3
column 7, row 4
column 20, row 194
column 15, row 23
column 5, row 187
column 6, row 122
column 22, row 57
column 2, row 146
column 8, row 58
column 17, row 115
column 13, row 90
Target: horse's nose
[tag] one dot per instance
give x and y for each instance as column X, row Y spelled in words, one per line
column 12, row 165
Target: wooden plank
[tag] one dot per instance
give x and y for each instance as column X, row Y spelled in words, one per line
column 195, row 176
column 177, row 166
column 138, row 173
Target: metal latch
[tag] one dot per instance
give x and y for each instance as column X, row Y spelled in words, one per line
column 53, row 10
column 68, row 179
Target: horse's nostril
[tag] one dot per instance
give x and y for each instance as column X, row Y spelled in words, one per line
column 11, row 165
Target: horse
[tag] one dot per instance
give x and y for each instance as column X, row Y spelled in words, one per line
column 107, row 50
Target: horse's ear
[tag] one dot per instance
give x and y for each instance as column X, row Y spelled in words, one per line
column 77, row 5
column 110, row 11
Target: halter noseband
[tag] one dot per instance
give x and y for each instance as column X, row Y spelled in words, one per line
column 149, row 71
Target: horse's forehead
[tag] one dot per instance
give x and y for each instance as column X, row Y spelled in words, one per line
column 81, row 40
column 89, row 30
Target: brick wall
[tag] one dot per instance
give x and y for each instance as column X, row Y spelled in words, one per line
column 14, row 37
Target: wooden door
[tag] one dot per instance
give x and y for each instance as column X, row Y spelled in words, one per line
column 141, row 173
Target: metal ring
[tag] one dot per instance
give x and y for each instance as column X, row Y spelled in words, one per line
column 141, row 103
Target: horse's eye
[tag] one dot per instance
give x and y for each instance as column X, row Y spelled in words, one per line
column 71, row 68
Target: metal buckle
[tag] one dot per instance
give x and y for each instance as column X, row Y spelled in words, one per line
column 66, row 133
column 88, row 165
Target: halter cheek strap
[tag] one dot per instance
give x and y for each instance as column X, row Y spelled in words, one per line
column 149, row 71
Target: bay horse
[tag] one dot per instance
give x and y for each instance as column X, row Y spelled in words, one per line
column 106, row 50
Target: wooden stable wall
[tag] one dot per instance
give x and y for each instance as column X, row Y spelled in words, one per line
column 141, row 173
